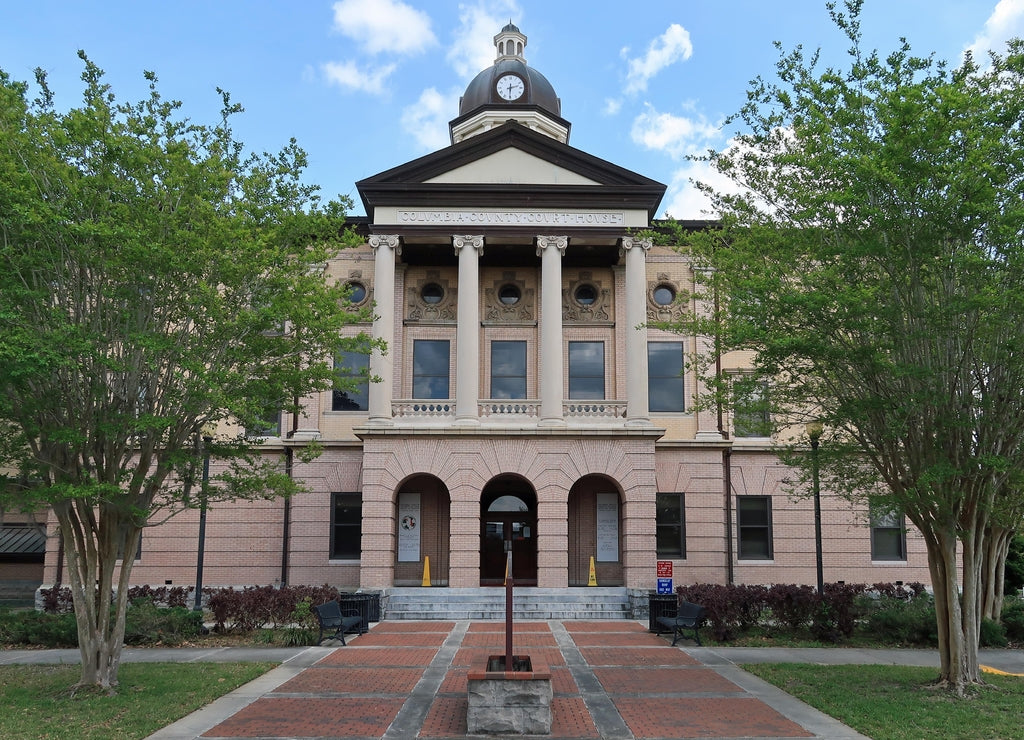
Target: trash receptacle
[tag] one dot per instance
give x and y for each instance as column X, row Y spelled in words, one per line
column 367, row 604
column 657, row 605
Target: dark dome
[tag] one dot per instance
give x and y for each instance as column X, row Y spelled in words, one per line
column 481, row 91
column 511, row 27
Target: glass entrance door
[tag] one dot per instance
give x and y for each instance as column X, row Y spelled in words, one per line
column 504, row 532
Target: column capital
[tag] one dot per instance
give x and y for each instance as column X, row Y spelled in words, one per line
column 386, row 240
column 628, row 242
column 472, row 241
column 558, row 242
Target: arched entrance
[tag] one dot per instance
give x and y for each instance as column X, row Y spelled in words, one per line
column 508, row 522
column 595, row 531
column 422, row 519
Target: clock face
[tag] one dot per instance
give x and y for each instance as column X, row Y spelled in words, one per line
column 510, row 87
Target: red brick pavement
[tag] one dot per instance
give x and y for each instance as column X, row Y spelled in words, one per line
column 358, row 690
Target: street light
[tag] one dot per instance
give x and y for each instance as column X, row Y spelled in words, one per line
column 814, row 430
column 207, row 440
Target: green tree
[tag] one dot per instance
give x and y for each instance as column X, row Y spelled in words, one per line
column 156, row 283
column 872, row 260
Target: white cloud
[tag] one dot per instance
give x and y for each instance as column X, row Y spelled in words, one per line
column 426, row 120
column 348, row 76
column 612, row 106
column 472, row 48
column 1006, row 22
column 384, row 26
column 672, row 46
column 676, row 135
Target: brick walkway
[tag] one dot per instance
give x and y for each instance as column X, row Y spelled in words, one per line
column 406, row 680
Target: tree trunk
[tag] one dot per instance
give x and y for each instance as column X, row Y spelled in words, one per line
column 958, row 640
column 91, row 541
column 997, row 547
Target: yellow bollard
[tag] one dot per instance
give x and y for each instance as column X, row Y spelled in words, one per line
column 426, row 571
column 592, row 581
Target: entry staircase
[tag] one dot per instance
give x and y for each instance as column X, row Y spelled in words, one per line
column 592, row 602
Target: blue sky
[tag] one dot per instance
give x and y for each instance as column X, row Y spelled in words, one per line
column 365, row 85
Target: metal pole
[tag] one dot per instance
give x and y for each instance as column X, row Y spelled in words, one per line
column 198, row 605
column 817, row 513
column 508, row 613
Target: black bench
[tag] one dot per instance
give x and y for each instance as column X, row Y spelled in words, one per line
column 688, row 618
column 333, row 619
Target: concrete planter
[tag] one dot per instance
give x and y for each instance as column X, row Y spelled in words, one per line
column 514, row 702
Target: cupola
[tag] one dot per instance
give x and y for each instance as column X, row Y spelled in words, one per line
column 509, row 89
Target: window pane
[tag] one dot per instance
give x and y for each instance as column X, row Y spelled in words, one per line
column 888, row 540
column 346, row 526
column 671, row 526
column 754, row 524
column 665, row 376
column 508, row 369
column 352, row 367
column 586, row 370
column 751, row 416
column 430, row 368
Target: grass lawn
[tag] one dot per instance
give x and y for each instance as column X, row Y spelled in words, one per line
column 897, row 703
column 36, row 701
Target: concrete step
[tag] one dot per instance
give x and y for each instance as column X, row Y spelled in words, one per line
column 489, row 603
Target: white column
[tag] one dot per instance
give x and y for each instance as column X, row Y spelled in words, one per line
column 385, row 248
column 637, row 407
column 467, row 333
column 551, row 250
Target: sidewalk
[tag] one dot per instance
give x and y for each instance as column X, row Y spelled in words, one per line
column 613, row 680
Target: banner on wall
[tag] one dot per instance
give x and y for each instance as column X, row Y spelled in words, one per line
column 608, row 527
column 408, row 527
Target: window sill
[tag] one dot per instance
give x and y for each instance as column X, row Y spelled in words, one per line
column 332, row 561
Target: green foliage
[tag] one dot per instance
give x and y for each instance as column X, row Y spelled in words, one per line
column 992, row 634
column 902, row 622
column 1013, row 618
column 148, row 624
column 38, row 629
column 1014, row 574
column 156, row 282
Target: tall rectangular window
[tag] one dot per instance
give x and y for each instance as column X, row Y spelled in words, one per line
column 750, row 416
column 352, row 369
column 430, row 365
column 267, row 425
column 671, row 525
column 346, row 525
column 888, row 536
column 508, row 369
column 754, row 522
column 586, row 370
column 665, row 376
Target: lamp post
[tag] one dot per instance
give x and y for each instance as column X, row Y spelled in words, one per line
column 814, row 430
column 207, row 440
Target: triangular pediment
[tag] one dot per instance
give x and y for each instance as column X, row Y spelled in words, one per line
column 510, row 166
column 513, row 166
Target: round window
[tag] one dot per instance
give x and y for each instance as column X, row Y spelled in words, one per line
column 356, row 292
column 509, row 294
column 432, row 293
column 585, row 294
column 664, row 295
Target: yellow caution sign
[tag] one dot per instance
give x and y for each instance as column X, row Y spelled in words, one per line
column 592, row 581
column 426, row 570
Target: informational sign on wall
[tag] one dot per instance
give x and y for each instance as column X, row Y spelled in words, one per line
column 608, row 527
column 408, row 527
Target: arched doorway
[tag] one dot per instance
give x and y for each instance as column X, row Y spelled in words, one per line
column 595, row 531
column 508, row 523
column 422, row 522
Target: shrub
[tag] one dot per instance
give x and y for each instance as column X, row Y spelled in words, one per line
column 731, row 609
column 1013, row 618
column 792, row 606
column 992, row 634
column 147, row 624
column 38, row 628
column 904, row 622
column 836, row 614
column 262, row 606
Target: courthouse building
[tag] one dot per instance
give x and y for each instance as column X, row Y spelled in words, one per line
column 524, row 404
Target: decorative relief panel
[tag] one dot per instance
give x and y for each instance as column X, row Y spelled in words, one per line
column 586, row 300
column 432, row 298
column 508, row 299
column 662, row 299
